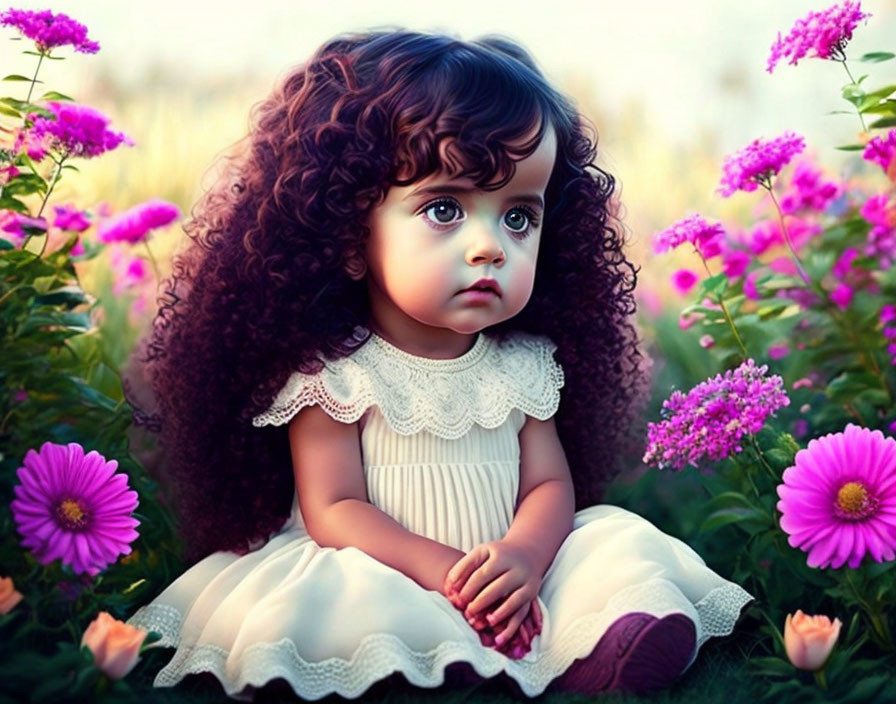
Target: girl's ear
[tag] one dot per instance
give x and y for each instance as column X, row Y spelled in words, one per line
column 356, row 268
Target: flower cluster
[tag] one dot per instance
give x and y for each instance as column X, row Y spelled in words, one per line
column 74, row 506
column 705, row 236
column 881, row 242
column 134, row 224
column 838, row 501
column 49, row 30
column 824, row 33
column 75, row 130
column 882, row 150
column 70, row 218
column 710, row 420
column 808, row 190
column 756, row 163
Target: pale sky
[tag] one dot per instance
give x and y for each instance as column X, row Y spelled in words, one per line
column 691, row 63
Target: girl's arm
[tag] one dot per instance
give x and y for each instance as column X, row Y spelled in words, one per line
column 329, row 474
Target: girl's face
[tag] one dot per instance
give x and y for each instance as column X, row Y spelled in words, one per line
column 431, row 240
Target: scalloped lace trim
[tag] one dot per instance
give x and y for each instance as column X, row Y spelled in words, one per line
column 379, row 655
column 442, row 396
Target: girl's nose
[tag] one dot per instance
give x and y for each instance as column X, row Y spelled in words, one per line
column 485, row 248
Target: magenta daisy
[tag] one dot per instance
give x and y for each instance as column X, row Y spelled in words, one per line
column 134, row 225
column 76, row 130
column 713, row 417
column 823, row 33
column 49, row 30
column 756, row 163
column 838, row 503
column 75, row 507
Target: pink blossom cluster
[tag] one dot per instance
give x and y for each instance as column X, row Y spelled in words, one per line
column 881, row 242
column 712, row 418
column 134, row 225
column 70, row 218
column 756, row 163
column 767, row 234
column 705, row 236
column 15, row 227
column 77, row 130
column 808, row 190
column 888, row 320
column 823, row 33
column 49, row 30
column 882, row 150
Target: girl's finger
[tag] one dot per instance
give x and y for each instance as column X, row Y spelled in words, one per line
column 512, row 603
column 464, row 567
column 489, row 594
column 512, row 624
column 537, row 615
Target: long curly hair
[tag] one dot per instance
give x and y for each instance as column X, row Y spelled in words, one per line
column 262, row 288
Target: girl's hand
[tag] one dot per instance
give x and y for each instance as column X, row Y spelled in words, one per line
column 520, row 643
column 498, row 573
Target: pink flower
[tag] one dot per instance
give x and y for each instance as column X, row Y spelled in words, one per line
column 778, row 351
column 134, row 225
column 887, row 313
column 768, row 234
column 750, row 289
column 713, row 417
column 823, row 33
column 735, row 262
column 70, row 218
column 684, row 280
column 115, row 645
column 783, row 265
column 49, row 30
column 686, row 320
column 838, row 502
column 804, row 382
column 9, row 595
column 844, row 263
column 842, row 295
column 77, row 130
column 881, row 150
column 809, row 640
column 74, row 506
column 129, row 271
column 800, row 428
column 811, row 193
column 707, row 341
column 695, row 229
column 756, row 163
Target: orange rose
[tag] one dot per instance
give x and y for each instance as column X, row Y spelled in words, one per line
column 115, row 645
column 809, row 639
column 9, row 597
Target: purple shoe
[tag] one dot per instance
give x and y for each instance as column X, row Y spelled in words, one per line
column 638, row 653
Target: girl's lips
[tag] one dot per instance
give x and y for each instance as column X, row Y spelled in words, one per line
column 477, row 296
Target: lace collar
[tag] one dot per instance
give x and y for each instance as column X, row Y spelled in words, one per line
column 442, row 396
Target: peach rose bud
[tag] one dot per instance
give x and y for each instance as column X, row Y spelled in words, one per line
column 809, row 639
column 9, row 597
column 115, row 645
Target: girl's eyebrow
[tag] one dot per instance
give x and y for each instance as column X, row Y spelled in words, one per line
column 530, row 198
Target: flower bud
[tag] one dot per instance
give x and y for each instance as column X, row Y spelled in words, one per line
column 115, row 645
column 809, row 639
column 9, row 597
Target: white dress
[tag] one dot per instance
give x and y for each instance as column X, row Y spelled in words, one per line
column 440, row 445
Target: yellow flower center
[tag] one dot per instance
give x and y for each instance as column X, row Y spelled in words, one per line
column 854, row 502
column 71, row 514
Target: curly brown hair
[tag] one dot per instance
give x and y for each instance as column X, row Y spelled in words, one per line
column 262, row 290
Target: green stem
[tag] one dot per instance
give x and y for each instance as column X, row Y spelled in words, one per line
column 796, row 259
column 820, row 679
column 879, row 631
column 53, row 181
column 152, row 259
column 763, row 461
column 737, row 338
column 853, row 80
column 34, row 80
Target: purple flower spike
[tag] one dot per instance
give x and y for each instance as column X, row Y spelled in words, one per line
column 823, row 33
column 838, row 502
column 75, row 507
column 135, row 224
column 77, row 130
column 756, row 163
column 49, row 30
column 713, row 417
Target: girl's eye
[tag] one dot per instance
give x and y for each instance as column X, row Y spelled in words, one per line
column 442, row 212
column 521, row 219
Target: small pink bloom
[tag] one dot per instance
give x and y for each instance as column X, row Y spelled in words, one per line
column 802, row 383
column 800, row 428
column 76, row 130
column 695, row 229
column 778, row 351
column 750, row 290
column 70, row 218
column 842, row 295
column 115, row 644
column 844, row 263
column 49, row 30
column 888, row 313
column 686, row 320
column 707, row 341
column 783, row 265
column 9, row 595
column 881, row 150
column 684, row 280
column 809, row 640
column 22, row 225
column 135, row 224
column 756, row 163
column 735, row 262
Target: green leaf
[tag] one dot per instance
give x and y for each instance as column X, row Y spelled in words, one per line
column 724, row 516
column 849, row 384
column 877, row 56
column 887, row 107
column 728, row 499
column 878, row 398
column 9, row 112
column 43, row 284
column 714, row 285
column 883, row 122
column 853, row 94
column 875, row 97
column 17, row 77
column 779, row 459
column 851, row 148
column 56, row 95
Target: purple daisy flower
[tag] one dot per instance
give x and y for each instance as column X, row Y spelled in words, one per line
column 134, row 224
column 49, row 30
column 77, row 130
column 713, row 417
column 756, row 163
column 74, row 506
column 823, row 33
column 838, row 503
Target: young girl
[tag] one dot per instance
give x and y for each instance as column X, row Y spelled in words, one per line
column 394, row 372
